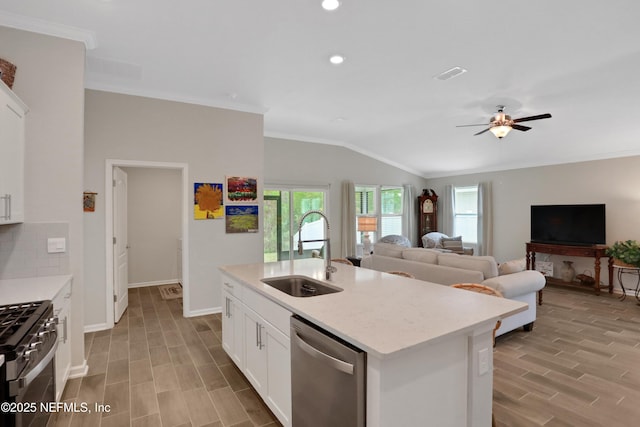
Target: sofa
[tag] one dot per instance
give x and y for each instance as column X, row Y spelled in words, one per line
column 432, row 265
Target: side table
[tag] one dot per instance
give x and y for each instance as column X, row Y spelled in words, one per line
column 631, row 271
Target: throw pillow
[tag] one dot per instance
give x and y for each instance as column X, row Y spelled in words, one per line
column 396, row 240
column 454, row 244
column 432, row 240
column 512, row 266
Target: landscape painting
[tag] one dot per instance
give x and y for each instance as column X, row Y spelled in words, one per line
column 242, row 189
column 241, row 219
column 207, row 201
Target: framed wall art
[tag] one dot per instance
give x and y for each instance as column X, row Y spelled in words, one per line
column 207, row 201
column 89, row 201
column 242, row 189
column 241, row 218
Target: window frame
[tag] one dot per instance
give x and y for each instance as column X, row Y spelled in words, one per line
column 473, row 240
column 377, row 190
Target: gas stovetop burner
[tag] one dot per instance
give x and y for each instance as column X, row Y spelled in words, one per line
column 17, row 319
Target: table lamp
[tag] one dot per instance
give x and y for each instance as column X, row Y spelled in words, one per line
column 367, row 224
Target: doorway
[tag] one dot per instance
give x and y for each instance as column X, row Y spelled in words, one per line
column 111, row 214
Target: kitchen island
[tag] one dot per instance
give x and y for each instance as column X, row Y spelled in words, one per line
column 429, row 346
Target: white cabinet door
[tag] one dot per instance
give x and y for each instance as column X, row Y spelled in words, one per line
column 255, row 359
column 256, row 346
column 268, row 364
column 233, row 329
column 61, row 309
column 12, row 127
column 278, row 393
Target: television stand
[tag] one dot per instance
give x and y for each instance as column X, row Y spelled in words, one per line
column 594, row 251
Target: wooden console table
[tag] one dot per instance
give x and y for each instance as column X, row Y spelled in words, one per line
column 595, row 251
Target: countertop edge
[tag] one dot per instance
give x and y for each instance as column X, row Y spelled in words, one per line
column 281, row 299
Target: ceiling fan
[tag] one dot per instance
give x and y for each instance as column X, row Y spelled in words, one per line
column 501, row 124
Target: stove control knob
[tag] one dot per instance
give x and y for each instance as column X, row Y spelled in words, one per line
column 35, row 345
column 27, row 354
column 43, row 334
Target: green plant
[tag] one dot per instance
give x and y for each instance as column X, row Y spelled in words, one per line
column 627, row 252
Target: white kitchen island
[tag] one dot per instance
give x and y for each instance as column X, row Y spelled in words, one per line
column 429, row 347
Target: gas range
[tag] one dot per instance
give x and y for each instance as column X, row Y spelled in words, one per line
column 27, row 333
column 28, row 342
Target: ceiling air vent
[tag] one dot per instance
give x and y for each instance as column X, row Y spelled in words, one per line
column 449, row 74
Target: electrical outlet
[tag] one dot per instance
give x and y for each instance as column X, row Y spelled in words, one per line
column 56, row 245
column 483, row 361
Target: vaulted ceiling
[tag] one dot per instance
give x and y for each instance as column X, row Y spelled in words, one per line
column 574, row 59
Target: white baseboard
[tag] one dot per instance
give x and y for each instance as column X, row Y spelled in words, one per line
column 154, row 283
column 204, row 311
column 96, row 327
column 79, row 371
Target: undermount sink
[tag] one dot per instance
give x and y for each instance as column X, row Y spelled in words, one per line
column 300, row 286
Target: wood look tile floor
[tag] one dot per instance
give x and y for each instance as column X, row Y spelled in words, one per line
column 158, row 369
column 580, row 366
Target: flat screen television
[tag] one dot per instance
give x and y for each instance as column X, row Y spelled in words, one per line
column 579, row 225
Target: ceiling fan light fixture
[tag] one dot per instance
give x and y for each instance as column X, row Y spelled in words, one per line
column 500, row 131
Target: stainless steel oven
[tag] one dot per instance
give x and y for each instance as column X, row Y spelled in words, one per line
column 28, row 343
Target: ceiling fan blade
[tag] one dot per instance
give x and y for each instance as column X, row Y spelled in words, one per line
column 466, row 126
column 527, row 119
column 482, row 131
column 520, row 127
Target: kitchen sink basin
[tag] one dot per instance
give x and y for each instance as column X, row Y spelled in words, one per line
column 300, row 286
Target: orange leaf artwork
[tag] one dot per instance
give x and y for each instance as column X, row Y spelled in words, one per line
column 208, row 201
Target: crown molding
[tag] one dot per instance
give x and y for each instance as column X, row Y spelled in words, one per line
column 40, row 26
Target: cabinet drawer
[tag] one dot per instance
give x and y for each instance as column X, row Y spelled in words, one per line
column 270, row 311
column 231, row 286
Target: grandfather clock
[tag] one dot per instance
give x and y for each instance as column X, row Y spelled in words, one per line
column 428, row 213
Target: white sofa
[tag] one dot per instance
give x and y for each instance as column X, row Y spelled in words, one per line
column 448, row 268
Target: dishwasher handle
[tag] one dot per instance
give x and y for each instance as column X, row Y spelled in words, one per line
column 338, row 364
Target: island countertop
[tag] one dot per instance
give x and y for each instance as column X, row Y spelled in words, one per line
column 384, row 314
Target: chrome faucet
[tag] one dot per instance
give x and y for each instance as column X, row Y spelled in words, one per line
column 327, row 254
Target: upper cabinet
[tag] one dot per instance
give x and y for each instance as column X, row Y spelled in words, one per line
column 12, row 131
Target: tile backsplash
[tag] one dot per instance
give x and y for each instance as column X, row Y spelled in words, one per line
column 23, row 250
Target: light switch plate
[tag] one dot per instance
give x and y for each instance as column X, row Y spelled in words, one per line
column 56, row 245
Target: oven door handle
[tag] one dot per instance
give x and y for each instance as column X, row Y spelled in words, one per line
column 24, row 381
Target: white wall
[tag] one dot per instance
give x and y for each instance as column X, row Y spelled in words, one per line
column 296, row 162
column 153, row 218
column 50, row 80
column 611, row 181
column 213, row 142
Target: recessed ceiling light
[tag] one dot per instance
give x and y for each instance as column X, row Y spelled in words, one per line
column 330, row 4
column 336, row 59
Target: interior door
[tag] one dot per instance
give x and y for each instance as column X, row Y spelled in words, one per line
column 120, row 245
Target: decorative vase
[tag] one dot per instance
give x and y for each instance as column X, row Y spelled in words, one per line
column 567, row 272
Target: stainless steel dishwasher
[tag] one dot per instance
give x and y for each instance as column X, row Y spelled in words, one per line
column 328, row 378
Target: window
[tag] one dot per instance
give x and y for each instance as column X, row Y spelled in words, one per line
column 385, row 204
column 283, row 209
column 465, row 213
column 391, row 210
